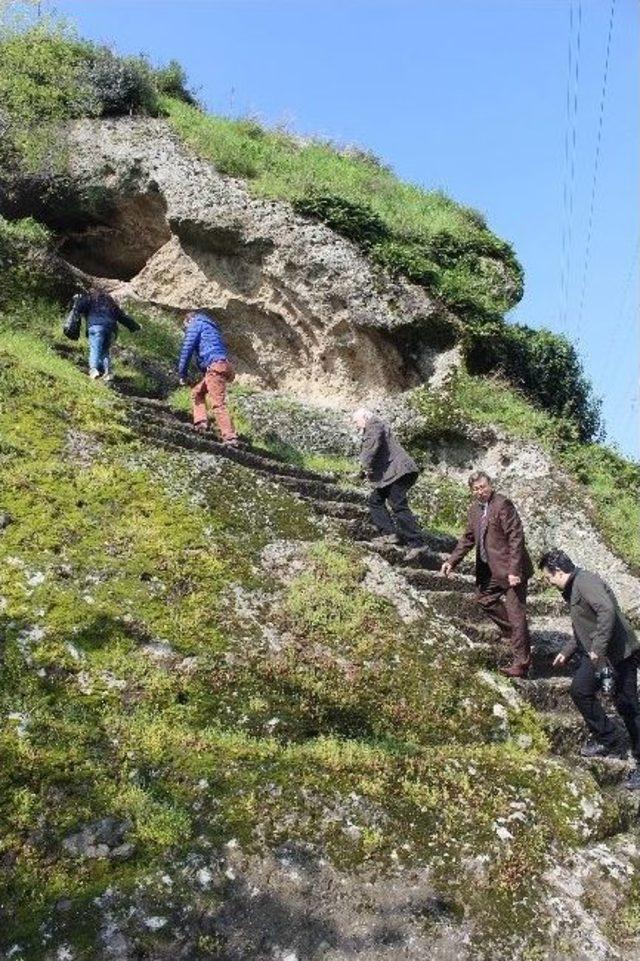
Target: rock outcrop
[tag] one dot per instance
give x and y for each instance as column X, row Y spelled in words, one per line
column 304, row 310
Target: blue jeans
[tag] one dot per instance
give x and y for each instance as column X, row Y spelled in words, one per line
column 100, row 338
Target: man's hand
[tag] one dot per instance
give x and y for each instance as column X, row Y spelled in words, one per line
column 594, row 657
column 513, row 579
column 559, row 660
column 446, row 569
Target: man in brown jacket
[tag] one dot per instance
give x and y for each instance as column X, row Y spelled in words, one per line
column 503, row 566
column 602, row 637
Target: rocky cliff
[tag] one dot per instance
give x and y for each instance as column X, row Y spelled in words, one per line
column 303, row 308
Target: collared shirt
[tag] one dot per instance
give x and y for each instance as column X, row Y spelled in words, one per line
column 483, row 532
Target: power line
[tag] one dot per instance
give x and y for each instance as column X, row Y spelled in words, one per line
column 596, row 167
column 570, row 139
column 620, row 315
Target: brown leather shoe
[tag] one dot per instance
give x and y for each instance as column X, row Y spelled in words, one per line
column 516, row 670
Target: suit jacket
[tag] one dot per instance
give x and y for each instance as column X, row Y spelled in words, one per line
column 382, row 455
column 598, row 623
column 504, row 541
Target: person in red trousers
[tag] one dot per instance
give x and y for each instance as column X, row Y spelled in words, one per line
column 203, row 338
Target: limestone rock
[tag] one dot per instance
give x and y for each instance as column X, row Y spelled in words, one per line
column 303, row 309
column 100, row 839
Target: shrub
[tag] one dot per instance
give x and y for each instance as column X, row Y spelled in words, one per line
column 399, row 257
column 23, row 245
column 48, row 76
column 440, row 414
column 543, row 365
column 171, row 81
column 356, row 221
column 120, row 85
column 40, row 85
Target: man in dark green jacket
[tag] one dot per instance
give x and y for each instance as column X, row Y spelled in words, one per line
column 601, row 636
column 392, row 472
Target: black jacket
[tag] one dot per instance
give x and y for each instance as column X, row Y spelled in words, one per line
column 598, row 623
column 382, row 455
column 101, row 310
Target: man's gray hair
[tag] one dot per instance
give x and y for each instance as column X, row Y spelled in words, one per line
column 478, row 475
column 362, row 413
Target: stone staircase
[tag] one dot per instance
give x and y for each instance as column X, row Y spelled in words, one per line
column 546, row 688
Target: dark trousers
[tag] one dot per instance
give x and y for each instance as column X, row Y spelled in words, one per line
column 507, row 608
column 625, row 698
column 403, row 523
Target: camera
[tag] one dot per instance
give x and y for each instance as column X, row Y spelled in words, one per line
column 606, row 679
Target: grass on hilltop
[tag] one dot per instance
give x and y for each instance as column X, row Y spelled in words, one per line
column 424, row 235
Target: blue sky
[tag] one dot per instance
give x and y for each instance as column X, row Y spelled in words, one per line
column 464, row 95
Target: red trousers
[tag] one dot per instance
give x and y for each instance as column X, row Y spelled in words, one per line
column 214, row 386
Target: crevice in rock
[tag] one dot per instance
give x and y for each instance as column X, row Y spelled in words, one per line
column 120, row 243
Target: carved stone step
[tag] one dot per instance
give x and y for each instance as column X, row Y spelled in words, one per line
column 546, row 693
column 434, row 581
column 465, row 606
column 397, row 556
column 567, row 731
column 164, row 429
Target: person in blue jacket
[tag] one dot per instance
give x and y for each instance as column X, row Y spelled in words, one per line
column 102, row 315
column 202, row 338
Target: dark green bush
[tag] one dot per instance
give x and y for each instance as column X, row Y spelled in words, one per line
column 355, row 221
column 543, row 365
column 40, row 85
column 120, row 85
column 400, row 257
column 24, row 272
column 171, row 81
column 48, row 76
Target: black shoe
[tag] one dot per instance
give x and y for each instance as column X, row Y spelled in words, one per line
column 595, row 749
column 386, row 540
column 633, row 780
column 415, row 553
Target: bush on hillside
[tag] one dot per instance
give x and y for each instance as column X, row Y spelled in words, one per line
column 355, row 221
column 119, row 85
column 48, row 76
column 171, row 81
column 402, row 258
column 543, row 365
column 23, row 271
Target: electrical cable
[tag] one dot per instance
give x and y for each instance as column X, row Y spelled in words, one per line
column 596, row 168
column 570, row 143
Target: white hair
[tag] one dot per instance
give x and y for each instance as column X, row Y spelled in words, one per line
column 362, row 413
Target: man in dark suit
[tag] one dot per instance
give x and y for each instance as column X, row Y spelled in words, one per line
column 503, row 566
column 601, row 636
column 392, row 472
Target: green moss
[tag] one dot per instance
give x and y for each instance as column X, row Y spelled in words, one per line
column 441, row 503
